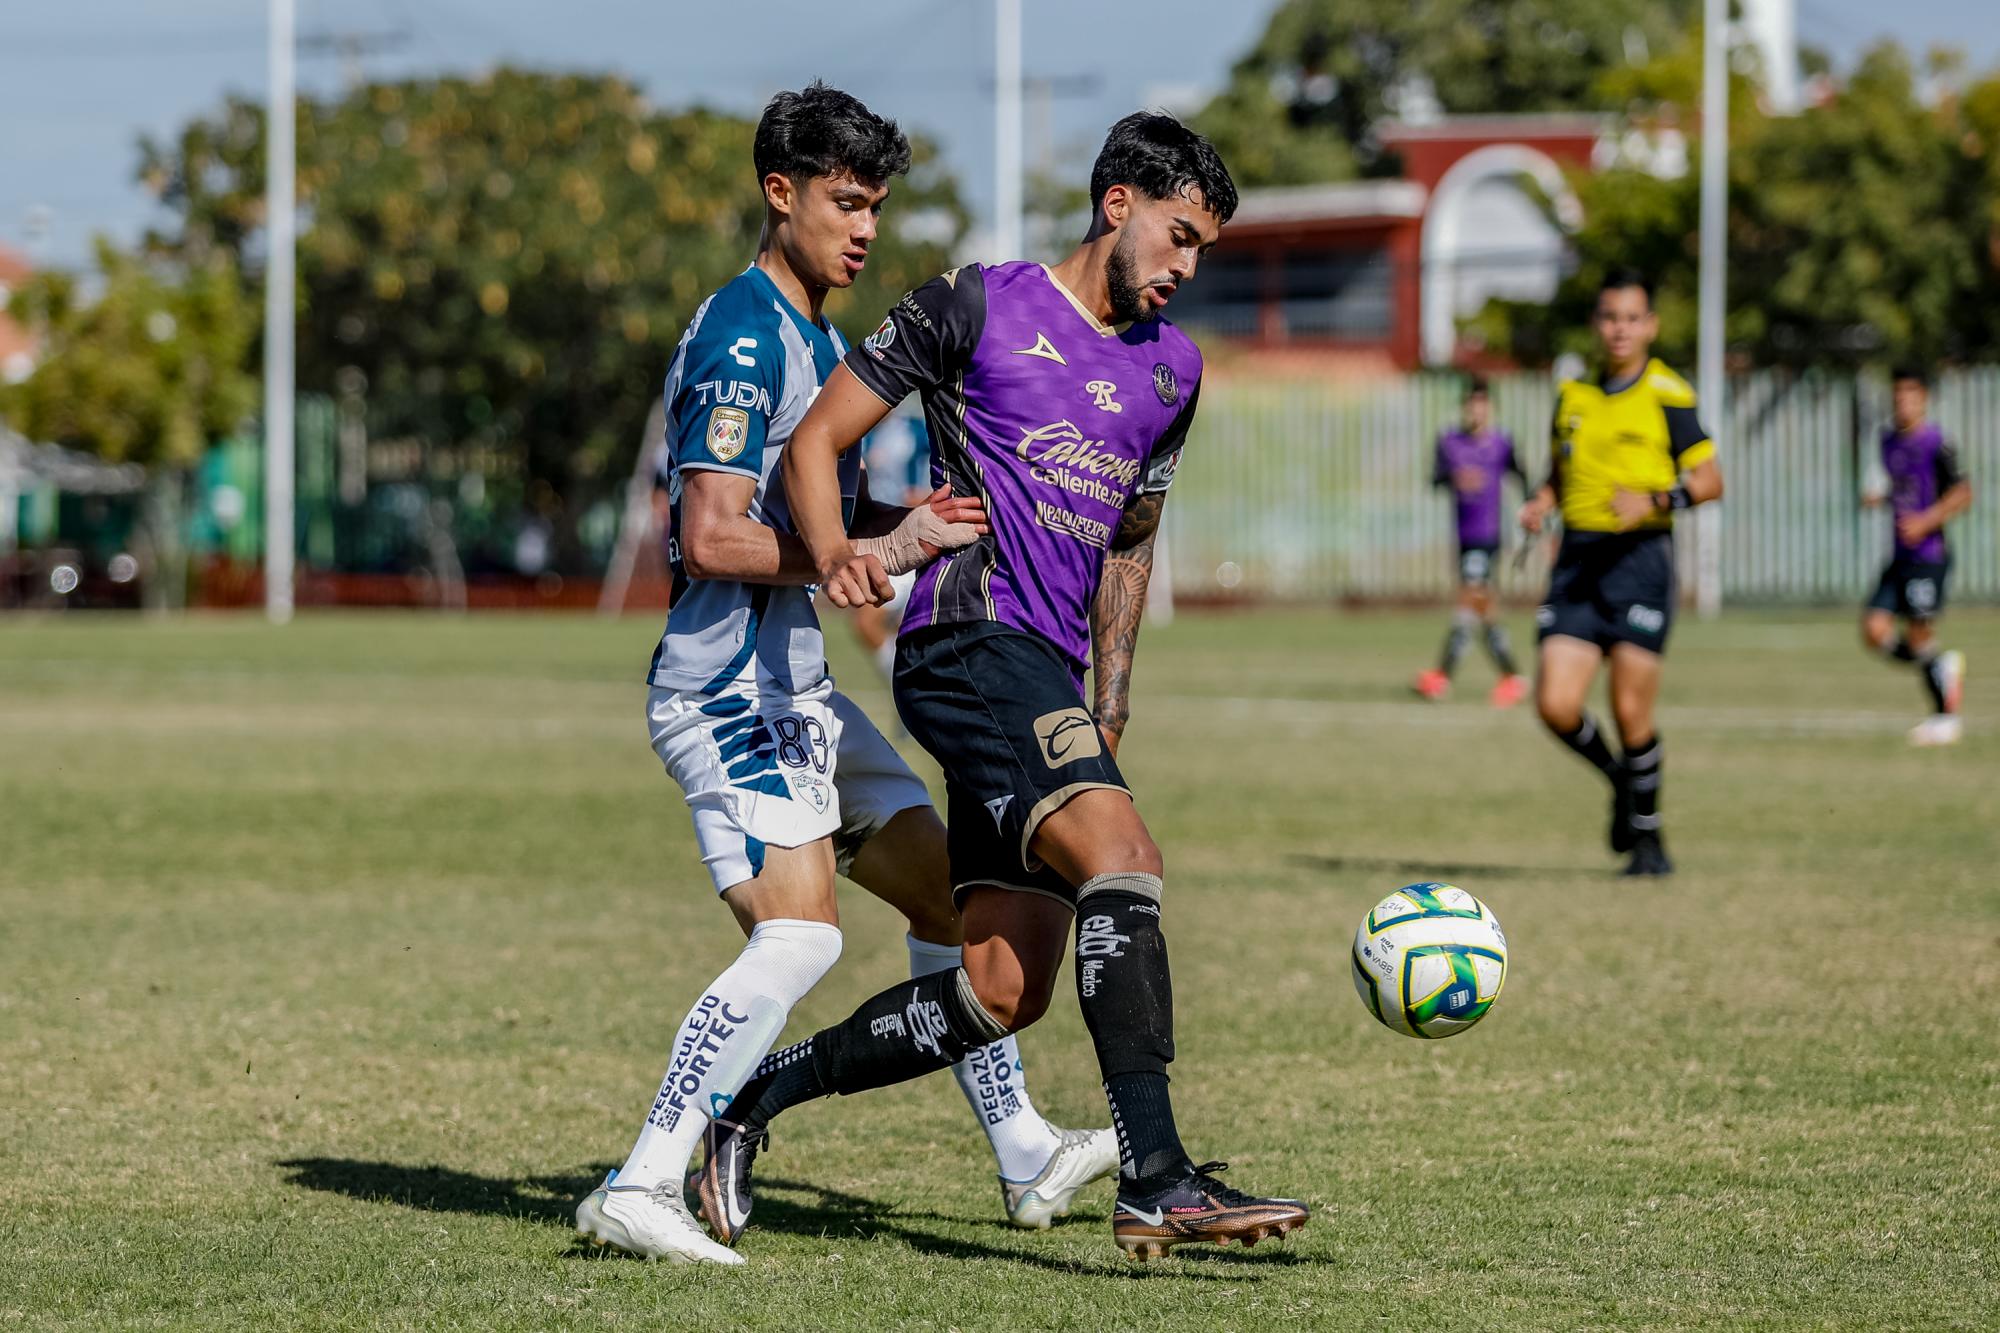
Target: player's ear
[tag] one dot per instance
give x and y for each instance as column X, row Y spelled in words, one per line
column 779, row 195
column 1117, row 205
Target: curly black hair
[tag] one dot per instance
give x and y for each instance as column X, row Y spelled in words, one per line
column 823, row 131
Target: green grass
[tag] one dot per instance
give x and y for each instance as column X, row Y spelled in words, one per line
column 335, row 963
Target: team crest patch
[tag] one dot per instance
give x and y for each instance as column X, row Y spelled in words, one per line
column 728, row 432
column 882, row 339
column 1166, row 384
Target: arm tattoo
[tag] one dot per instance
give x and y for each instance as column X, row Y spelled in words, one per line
column 1114, row 615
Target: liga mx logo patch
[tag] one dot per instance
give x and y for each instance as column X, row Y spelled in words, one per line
column 1166, row 384
column 728, row 432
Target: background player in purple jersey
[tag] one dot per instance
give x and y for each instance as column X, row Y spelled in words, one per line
column 1926, row 490
column 1471, row 460
column 1060, row 397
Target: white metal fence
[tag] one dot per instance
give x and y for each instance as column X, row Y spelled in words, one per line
column 1322, row 490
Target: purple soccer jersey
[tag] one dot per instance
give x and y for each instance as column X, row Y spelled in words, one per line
column 1921, row 468
column 1057, row 420
column 1492, row 456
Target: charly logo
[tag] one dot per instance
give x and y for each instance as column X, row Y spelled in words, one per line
column 1042, row 348
column 1100, row 392
column 1166, row 384
column 1067, row 735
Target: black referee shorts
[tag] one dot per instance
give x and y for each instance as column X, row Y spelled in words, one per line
column 1611, row 587
column 998, row 708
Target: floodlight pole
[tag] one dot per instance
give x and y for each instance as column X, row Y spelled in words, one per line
column 1714, row 288
column 1007, row 241
column 280, row 314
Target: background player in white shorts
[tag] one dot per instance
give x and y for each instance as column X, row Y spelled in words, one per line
column 787, row 781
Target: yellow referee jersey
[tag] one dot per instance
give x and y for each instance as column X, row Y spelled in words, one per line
column 1640, row 438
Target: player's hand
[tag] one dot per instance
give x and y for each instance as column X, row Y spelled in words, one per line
column 1534, row 513
column 1913, row 528
column 1632, row 508
column 944, row 522
column 963, row 515
column 855, row 580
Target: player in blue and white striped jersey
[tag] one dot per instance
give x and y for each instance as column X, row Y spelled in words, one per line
column 787, row 781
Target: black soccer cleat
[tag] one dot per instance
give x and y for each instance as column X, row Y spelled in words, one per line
column 722, row 1185
column 1196, row 1208
column 1649, row 856
column 1623, row 835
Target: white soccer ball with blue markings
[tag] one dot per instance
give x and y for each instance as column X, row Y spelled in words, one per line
column 1429, row 960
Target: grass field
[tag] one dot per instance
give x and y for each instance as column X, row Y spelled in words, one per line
column 337, row 962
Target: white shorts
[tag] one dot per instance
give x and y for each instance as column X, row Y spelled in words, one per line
column 765, row 768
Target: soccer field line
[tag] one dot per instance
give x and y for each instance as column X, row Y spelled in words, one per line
column 1335, row 712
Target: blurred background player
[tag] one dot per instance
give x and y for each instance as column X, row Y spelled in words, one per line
column 897, row 457
column 1926, row 490
column 1627, row 453
column 787, row 781
column 1471, row 460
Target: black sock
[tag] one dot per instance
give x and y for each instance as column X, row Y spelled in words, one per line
column 1642, row 778
column 1933, row 673
column 1901, row 651
column 1127, row 996
column 1588, row 741
column 1142, row 1113
column 911, row 1029
column 1454, row 646
column 1498, row 649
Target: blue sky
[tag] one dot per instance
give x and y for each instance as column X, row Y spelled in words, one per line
column 80, row 82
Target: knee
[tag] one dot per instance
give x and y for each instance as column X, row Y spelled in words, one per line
column 1559, row 715
column 1874, row 635
column 1135, row 852
column 1013, row 1004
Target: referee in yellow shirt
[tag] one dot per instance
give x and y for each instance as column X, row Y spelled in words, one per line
column 1628, row 452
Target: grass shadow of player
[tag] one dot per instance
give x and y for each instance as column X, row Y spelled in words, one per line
column 783, row 1205
column 1414, row 872
column 801, row 1207
column 440, row 1189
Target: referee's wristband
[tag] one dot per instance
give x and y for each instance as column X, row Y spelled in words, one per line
column 1676, row 498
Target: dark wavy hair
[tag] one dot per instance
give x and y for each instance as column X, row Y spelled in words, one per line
column 1619, row 279
column 823, row 131
column 1158, row 156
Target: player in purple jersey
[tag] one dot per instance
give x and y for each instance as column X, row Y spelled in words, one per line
column 1926, row 490
column 1472, row 460
column 1061, row 398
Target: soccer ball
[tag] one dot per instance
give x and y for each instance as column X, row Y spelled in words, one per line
column 1429, row 960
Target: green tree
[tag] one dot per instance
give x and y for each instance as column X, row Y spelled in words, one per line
column 510, row 259
column 1300, row 106
column 1861, row 230
column 146, row 364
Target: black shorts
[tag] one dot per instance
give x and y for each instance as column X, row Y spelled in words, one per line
column 998, row 708
column 1913, row 589
column 1476, row 565
column 1610, row 588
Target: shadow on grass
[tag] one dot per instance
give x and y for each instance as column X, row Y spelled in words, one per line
column 1412, row 872
column 790, row 1206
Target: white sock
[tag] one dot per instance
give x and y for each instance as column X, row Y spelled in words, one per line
column 885, row 657
column 719, row 1043
column 994, row 1085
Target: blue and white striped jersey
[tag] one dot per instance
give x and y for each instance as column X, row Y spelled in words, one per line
column 747, row 368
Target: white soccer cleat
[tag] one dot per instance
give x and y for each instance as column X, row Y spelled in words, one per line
column 651, row 1223
column 1938, row 729
column 1951, row 666
column 1081, row 1156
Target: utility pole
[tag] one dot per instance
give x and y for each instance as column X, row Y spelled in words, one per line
column 1007, row 241
column 1713, row 285
column 280, row 314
